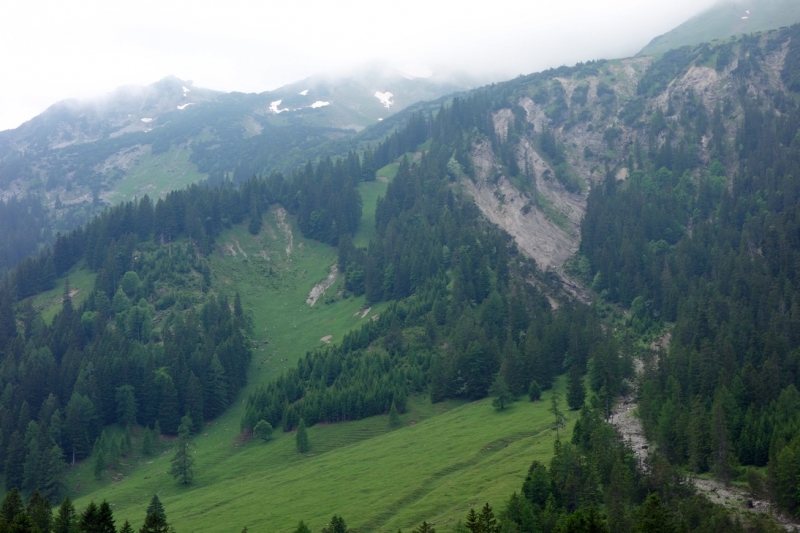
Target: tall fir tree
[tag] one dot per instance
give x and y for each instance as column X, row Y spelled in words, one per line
column 301, row 437
column 182, row 467
column 576, row 392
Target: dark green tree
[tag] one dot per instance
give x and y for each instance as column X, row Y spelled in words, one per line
column 263, row 430
column 40, row 511
column 12, row 505
column 576, row 392
column 556, row 411
column 126, row 405
column 156, row 519
column 424, row 527
column 394, row 417
column 336, row 525
column 147, row 442
column 501, row 392
column 302, row 528
column 653, row 517
column 182, row 465
column 66, row 518
column 302, row 437
column 89, row 521
column 534, row 391
column 105, row 519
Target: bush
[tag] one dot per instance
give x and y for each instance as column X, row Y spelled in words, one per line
column 263, row 430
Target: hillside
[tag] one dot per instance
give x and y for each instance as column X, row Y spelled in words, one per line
column 725, row 20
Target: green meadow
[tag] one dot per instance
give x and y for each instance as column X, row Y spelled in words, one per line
column 156, row 175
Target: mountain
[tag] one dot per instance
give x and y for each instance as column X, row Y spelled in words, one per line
column 78, row 156
column 724, row 20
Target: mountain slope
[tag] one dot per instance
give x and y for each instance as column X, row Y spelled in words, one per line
column 725, row 20
column 78, row 156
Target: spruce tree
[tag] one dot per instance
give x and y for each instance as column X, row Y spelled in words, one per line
column 302, row 437
column 576, row 392
column 147, row 442
column 336, row 525
column 99, row 462
column 424, row 527
column 302, row 528
column 66, row 518
column 559, row 416
column 40, row 511
column 394, row 417
column 156, row 519
column 126, row 527
column 182, row 467
column 501, row 392
column 11, row 506
column 534, row 391
column 90, row 519
column 105, row 519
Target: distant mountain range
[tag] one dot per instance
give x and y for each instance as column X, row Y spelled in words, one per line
column 80, row 155
column 724, row 20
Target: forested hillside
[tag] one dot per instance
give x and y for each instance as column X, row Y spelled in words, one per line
column 715, row 253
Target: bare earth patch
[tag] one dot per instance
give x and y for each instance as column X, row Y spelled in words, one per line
column 280, row 216
column 319, row 289
column 326, row 339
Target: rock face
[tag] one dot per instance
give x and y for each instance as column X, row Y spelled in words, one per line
column 572, row 128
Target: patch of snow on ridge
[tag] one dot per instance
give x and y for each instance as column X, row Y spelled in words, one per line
column 274, row 107
column 184, row 106
column 185, row 90
column 385, row 98
column 304, row 93
column 146, row 120
column 319, row 103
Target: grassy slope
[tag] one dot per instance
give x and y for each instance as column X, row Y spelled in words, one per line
column 725, row 20
column 156, row 176
column 445, row 458
column 81, row 283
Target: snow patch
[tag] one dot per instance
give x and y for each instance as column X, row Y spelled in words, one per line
column 274, row 107
column 744, row 18
column 319, row 103
column 185, row 91
column 146, row 120
column 385, row 98
column 304, row 93
column 184, row 106
column 380, row 119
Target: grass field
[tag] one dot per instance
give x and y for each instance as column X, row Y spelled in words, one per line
column 156, row 176
column 81, row 283
column 442, row 460
column 370, row 191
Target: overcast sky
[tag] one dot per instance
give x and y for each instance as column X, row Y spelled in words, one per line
column 51, row 50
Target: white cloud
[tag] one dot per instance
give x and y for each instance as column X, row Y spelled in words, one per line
column 85, row 48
